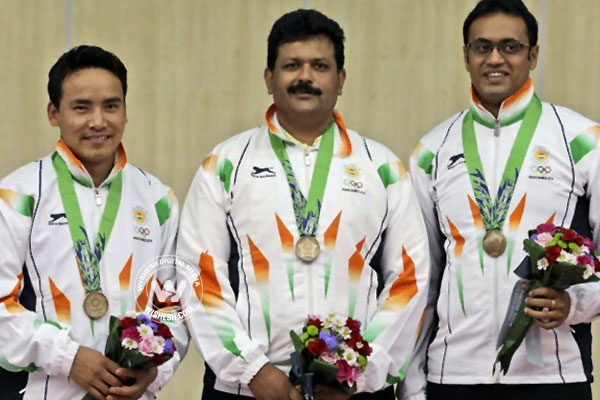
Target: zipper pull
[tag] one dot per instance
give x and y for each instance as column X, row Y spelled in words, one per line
column 496, row 127
column 98, row 198
column 307, row 158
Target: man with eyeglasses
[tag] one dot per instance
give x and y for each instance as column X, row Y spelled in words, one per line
column 485, row 177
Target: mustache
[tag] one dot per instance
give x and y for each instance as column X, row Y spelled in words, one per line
column 304, row 88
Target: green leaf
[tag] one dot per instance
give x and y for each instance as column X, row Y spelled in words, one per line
column 113, row 342
column 514, row 337
column 563, row 274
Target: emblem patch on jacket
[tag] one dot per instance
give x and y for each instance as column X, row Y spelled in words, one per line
column 140, row 229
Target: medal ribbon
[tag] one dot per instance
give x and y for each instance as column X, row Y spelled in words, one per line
column 307, row 211
column 493, row 213
column 89, row 260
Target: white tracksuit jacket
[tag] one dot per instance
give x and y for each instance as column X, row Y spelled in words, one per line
column 559, row 182
column 42, row 332
column 238, row 226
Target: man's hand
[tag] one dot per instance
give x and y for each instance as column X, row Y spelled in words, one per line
column 553, row 307
column 94, row 372
column 141, row 380
column 270, row 383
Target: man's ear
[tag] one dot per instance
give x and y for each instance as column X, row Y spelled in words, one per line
column 268, row 76
column 52, row 114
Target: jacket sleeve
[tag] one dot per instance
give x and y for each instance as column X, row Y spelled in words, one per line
column 204, row 242
column 585, row 298
column 27, row 340
column 395, row 326
column 178, row 328
column 421, row 169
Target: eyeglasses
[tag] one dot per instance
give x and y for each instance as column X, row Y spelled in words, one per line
column 507, row 47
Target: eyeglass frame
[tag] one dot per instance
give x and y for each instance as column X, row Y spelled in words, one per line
column 498, row 47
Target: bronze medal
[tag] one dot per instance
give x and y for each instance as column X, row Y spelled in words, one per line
column 307, row 249
column 494, row 242
column 95, row 304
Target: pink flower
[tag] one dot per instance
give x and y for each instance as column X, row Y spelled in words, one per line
column 131, row 333
column 329, row 357
column 145, row 347
column 347, row 373
column 587, row 242
column 546, row 228
column 543, row 238
column 585, row 261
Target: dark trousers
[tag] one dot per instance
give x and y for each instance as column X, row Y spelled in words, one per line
column 567, row 391
column 11, row 383
column 209, row 393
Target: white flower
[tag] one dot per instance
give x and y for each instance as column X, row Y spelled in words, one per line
column 583, row 250
column 542, row 264
column 339, row 321
column 589, row 271
column 145, row 331
column 129, row 343
column 350, row 356
column 158, row 345
column 328, row 321
column 345, row 332
column 567, row 257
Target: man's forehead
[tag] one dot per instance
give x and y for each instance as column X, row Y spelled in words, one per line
column 498, row 26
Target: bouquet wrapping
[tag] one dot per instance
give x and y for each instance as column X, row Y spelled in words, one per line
column 330, row 351
column 557, row 258
column 137, row 342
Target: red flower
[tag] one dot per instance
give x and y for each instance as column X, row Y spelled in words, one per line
column 552, row 253
column 127, row 322
column 317, row 347
column 569, row 235
column 596, row 265
column 353, row 324
column 164, row 331
column 316, row 322
column 158, row 359
column 355, row 338
column 365, row 350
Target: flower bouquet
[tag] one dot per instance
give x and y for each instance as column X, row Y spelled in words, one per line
column 332, row 349
column 137, row 342
column 557, row 258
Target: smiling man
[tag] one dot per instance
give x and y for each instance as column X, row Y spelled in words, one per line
column 485, row 177
column 69, row 252
column 302, row 216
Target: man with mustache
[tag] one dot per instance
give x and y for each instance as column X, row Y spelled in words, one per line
column 302, row 216
column 523, row 162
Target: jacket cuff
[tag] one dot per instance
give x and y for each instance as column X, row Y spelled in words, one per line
column 253, row 355
column 575, row 295
column 67, row 349
column 165, row 373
